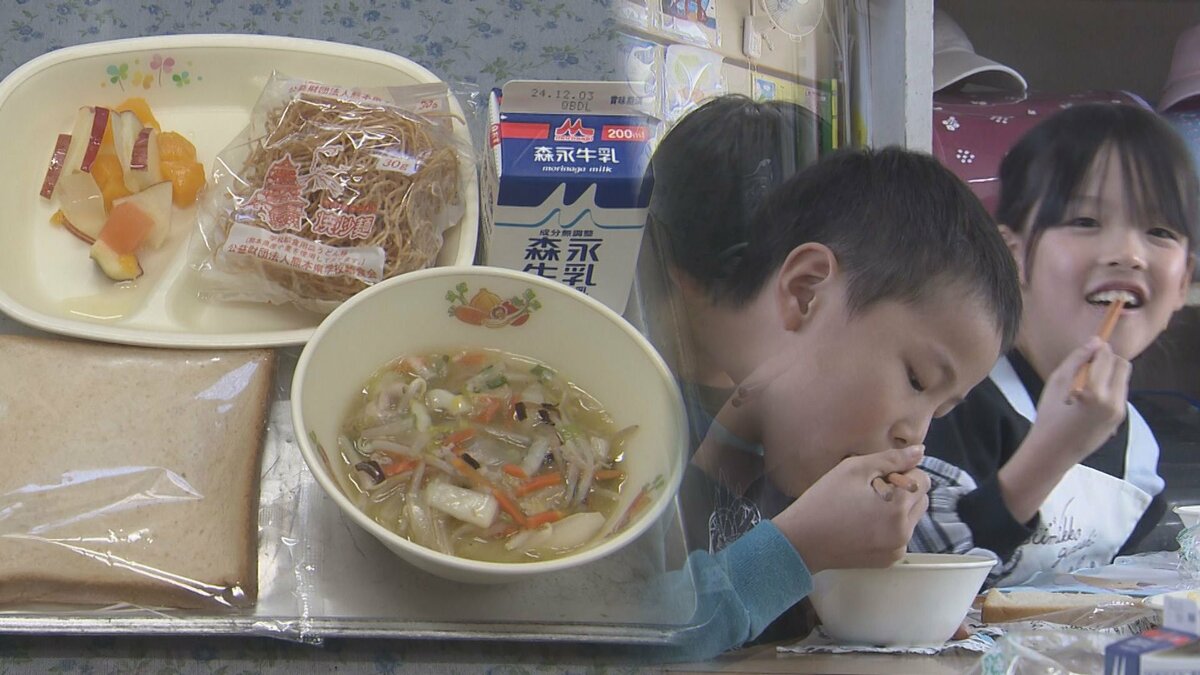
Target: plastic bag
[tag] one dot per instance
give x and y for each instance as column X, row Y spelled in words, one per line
column 330, row 190
column 1046, row 652
column 132, row 477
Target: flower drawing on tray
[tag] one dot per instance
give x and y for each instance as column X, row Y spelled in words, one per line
column 161, row 65
column 485, row 308
column 134, row 75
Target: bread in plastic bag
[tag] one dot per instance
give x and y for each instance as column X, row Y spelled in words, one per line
column 328, row 191
column 131, row 474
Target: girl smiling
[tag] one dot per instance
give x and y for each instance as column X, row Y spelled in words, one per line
column 1097, row 204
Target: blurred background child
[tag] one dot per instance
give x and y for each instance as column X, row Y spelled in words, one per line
column 864, row 294
column 1097, row 203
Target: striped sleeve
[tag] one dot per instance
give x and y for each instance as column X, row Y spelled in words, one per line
column 941, row 529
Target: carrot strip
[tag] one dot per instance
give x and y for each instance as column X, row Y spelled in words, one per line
column 609, row 474
column 460, row 436
column 471, row 358
column 539, row 519
column 491, row 405
column 510, row 507
column 636, row 505
column 515, row 471
column 398, row 466
column 477, row 479
column 480, row 481
column 538, row 482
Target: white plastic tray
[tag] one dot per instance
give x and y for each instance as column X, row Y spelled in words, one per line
column 320, row 575
column 206, row 93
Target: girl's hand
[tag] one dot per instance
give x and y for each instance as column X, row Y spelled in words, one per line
column 1074, row 425
column 841, row 522
column 1069, row 427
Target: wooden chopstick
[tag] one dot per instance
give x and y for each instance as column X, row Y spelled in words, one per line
column 883, row 486
column 1106, row 329
column 903, row 482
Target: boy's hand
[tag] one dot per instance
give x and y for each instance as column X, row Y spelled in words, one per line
column 1073, row 426
column 841, row 522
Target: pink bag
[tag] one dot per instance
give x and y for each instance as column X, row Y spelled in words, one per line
column 973, row 131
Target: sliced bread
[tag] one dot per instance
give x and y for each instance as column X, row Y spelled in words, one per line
column 1065, row 608
column 130, row 474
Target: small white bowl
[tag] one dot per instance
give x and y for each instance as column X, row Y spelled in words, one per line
column 920, row 601
column 572, row 333
column 1190, row 514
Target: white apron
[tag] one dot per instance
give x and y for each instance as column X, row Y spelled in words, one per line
column 1089, row 515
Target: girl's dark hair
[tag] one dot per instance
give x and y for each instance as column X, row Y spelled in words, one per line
column 712, row 171
column 1047, row 168
column 901, row 225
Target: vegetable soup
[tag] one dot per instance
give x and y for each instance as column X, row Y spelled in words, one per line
column 486, row 455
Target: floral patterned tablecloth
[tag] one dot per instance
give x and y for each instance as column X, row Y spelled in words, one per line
column 482, row 41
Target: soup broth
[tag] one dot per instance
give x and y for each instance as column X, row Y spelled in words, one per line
column 485, row 455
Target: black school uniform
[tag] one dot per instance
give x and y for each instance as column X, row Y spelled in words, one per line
column 1101, row 508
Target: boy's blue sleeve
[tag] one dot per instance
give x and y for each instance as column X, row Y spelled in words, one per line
column 739, row 591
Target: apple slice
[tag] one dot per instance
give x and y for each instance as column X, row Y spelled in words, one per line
column 127, row 228
column 85, row 238
column 56, row 165
column 115, row 250
column 95, row 138
column 82, row 203
column 144, row 165
column 155, row 202
column 116, row 266
column 80, row 135
column 125, row 127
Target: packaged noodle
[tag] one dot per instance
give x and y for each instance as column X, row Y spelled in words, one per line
column 329, row 191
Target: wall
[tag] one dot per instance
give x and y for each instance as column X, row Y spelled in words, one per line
column 796, row 59
column 1072, row 45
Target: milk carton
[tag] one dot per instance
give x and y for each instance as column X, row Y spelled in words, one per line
column 564, row 183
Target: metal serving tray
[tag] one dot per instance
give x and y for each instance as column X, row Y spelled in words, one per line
column 322, row 576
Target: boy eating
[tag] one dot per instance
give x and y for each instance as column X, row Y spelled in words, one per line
column 867, row 294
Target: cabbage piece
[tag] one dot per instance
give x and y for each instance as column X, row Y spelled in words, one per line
column 466, row 505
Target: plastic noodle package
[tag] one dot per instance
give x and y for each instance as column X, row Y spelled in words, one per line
column 1189, row 552
column 132, row 477
column 330, row 190
column 1046, row 652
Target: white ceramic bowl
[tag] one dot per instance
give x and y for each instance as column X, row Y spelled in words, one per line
column 1190, row 515
column 919, row 601
column 206, row 93
column 582, row 339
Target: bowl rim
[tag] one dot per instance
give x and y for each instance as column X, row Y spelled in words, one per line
column 943, row 561
column 316, row 466
column 206, row 40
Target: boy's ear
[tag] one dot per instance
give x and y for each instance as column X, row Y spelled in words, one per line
column 1016, row 246
column 802, row 279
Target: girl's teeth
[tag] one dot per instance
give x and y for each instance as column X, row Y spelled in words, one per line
column 1108, row 297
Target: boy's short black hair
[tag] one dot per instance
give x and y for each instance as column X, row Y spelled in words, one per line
column 1048, row 166
column 713, row 170
column 901, row 225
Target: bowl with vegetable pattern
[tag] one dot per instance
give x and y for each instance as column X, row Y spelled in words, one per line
column 489, row 425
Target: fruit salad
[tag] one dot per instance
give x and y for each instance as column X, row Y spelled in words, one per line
column 116, row 179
